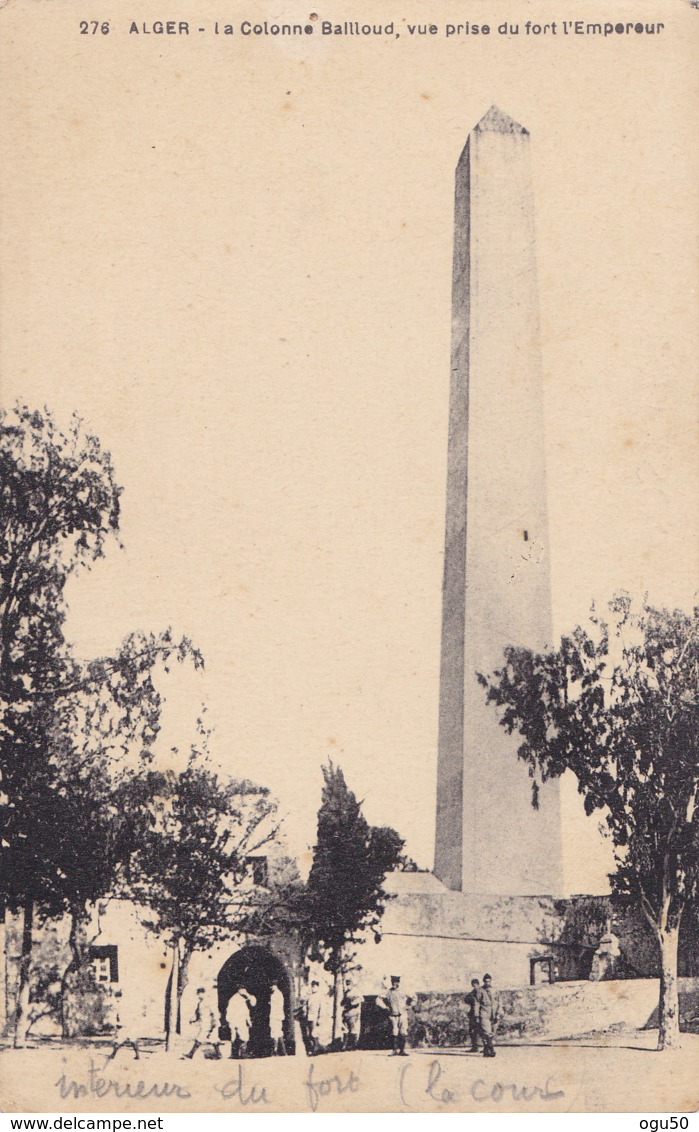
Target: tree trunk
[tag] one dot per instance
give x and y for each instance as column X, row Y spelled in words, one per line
column 669, row 1008
column 337, row 993
column 77, row 952
column 21, row 1016
column 171, row 994
column 182, row 983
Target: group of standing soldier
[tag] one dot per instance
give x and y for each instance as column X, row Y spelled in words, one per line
column 317, row 1006
column 482, row 1002
column 483, row 1012
column 238, row 1023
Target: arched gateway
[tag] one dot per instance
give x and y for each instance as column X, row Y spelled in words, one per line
column 256, row 969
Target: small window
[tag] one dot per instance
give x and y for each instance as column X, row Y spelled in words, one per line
column 105, row 964
column 257, row 867
column 541, row 970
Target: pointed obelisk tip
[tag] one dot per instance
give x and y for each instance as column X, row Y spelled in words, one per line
column 496, row 122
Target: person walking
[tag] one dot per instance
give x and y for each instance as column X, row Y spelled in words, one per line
column 396, row 1003
column 277, row 1013
column 203, row 1024
column 123, row 1032
column 471, row 1001
column 488, row 1013
column 238, row 1018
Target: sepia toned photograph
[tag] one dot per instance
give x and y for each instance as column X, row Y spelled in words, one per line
column 349, row 553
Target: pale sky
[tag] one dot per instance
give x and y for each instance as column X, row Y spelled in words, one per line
column 235, row 261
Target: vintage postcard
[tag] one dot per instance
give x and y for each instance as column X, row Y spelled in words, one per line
column 349, row 675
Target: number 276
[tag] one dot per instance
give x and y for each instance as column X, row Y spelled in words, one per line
column 93, row 26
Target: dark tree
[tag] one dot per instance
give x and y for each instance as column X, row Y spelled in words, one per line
column 344, row 896
column 100, row 780
column 64, row 725
column 190, row 874
column 58, row 505
column 619, row 708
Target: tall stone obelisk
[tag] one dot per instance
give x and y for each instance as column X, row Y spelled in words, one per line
column 496, row 571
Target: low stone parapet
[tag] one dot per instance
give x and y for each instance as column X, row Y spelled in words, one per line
column 560, row 1010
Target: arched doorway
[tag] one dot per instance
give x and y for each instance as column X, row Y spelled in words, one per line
column 256, row 969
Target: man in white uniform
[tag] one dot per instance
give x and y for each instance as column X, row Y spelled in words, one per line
column 238, row 1018
column 276, row 1021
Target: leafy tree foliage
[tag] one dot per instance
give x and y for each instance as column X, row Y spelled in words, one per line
column 344, row 896
column 65, row 727
column 619, row 707
column 189, row 872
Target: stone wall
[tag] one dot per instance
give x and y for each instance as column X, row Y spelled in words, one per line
column 437, row 940
column 563, row 1010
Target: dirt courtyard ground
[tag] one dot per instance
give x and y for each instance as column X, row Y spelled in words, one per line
column 599, row 1073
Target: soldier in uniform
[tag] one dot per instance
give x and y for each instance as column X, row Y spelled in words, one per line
column 472, row 1004
column 351, row 1015
column 488, row 1012
column 122, row 1031
column 397, row 1003
column 313, row 1013
column 277, row 1011
column 203, row 1024
column 238, row 1018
